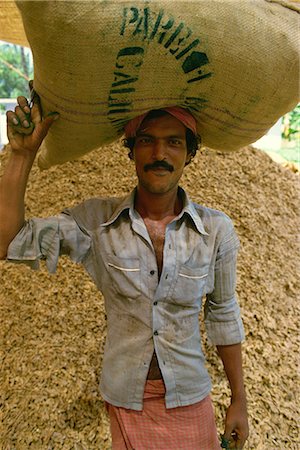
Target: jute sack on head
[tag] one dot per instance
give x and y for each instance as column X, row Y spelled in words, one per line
column 11, row 27
column 233, row 64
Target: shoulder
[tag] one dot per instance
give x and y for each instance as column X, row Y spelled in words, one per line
column 93, row 212
column 220, row 228
column 213, row 219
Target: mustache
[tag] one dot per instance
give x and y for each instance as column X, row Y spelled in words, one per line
column 159, row 165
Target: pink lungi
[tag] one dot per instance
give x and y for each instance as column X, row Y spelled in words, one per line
column 157, row 428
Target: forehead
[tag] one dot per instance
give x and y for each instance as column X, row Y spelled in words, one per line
column 166, row 125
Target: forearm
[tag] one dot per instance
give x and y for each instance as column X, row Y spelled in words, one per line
column 25, row 130
column 12, row 191
column 231, row 356
column 236, row 422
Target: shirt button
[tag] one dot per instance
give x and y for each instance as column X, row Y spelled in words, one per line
column 155, row 303
column 152, row 272
column 155, row 333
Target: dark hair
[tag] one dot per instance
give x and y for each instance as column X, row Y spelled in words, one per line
column 193, row 141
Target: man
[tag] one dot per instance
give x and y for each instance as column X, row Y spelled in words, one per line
column 153, row 255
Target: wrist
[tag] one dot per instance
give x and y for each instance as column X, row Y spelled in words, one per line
column 23, row 153
column 239, row 397
column 22, row 158
column 17, row 169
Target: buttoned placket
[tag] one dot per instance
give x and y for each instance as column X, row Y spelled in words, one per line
column 162, row 288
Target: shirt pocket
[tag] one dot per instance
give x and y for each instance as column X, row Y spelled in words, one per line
column 125, row 274
column 190, row 284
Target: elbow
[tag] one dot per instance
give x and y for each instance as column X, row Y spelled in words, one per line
column 3, row 252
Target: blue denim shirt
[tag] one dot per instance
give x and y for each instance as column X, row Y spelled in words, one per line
column 145, row 312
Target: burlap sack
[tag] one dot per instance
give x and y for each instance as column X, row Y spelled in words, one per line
column 233, row 63
column 11, row 27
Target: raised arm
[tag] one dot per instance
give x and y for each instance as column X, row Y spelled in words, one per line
column 25, row 130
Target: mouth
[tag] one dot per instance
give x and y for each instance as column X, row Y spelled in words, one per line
column 159, row 168
column 159, row 171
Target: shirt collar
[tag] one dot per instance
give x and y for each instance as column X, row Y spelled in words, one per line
column 126, row 204
column 188, row 208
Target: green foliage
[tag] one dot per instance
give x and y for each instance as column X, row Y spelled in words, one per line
column 295, row 120
column 291, row 124
column 15, row 70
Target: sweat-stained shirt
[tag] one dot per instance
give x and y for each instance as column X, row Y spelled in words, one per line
column 145, row 312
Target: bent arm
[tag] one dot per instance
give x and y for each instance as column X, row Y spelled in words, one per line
column 12, row 191
column 26, row 131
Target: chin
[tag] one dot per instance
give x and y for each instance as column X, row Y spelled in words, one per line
column 157, row 189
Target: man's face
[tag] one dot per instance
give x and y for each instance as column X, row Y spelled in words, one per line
column 160, row 154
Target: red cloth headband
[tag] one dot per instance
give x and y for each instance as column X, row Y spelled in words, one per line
column 181, row 114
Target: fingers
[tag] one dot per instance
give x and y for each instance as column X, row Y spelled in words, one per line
column 35, row 104
column 36, row 110
column 232, row 441
column 21, row 115
column 225, row 442
column 228, row 442
column 32, row 110
column 26, row 119
column 19, row 121
column 23, row 104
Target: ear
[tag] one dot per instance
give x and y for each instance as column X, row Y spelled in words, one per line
column 188, row 159
column 130, row 154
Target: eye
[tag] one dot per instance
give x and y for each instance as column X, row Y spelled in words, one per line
column 144, row 140
column 175, row 142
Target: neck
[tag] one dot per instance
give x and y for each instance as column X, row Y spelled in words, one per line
column 157, row 206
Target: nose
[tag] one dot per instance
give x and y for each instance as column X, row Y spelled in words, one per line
column 159, row 150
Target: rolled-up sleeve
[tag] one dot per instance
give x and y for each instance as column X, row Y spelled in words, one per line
column 47, row 239
column 221, row 312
